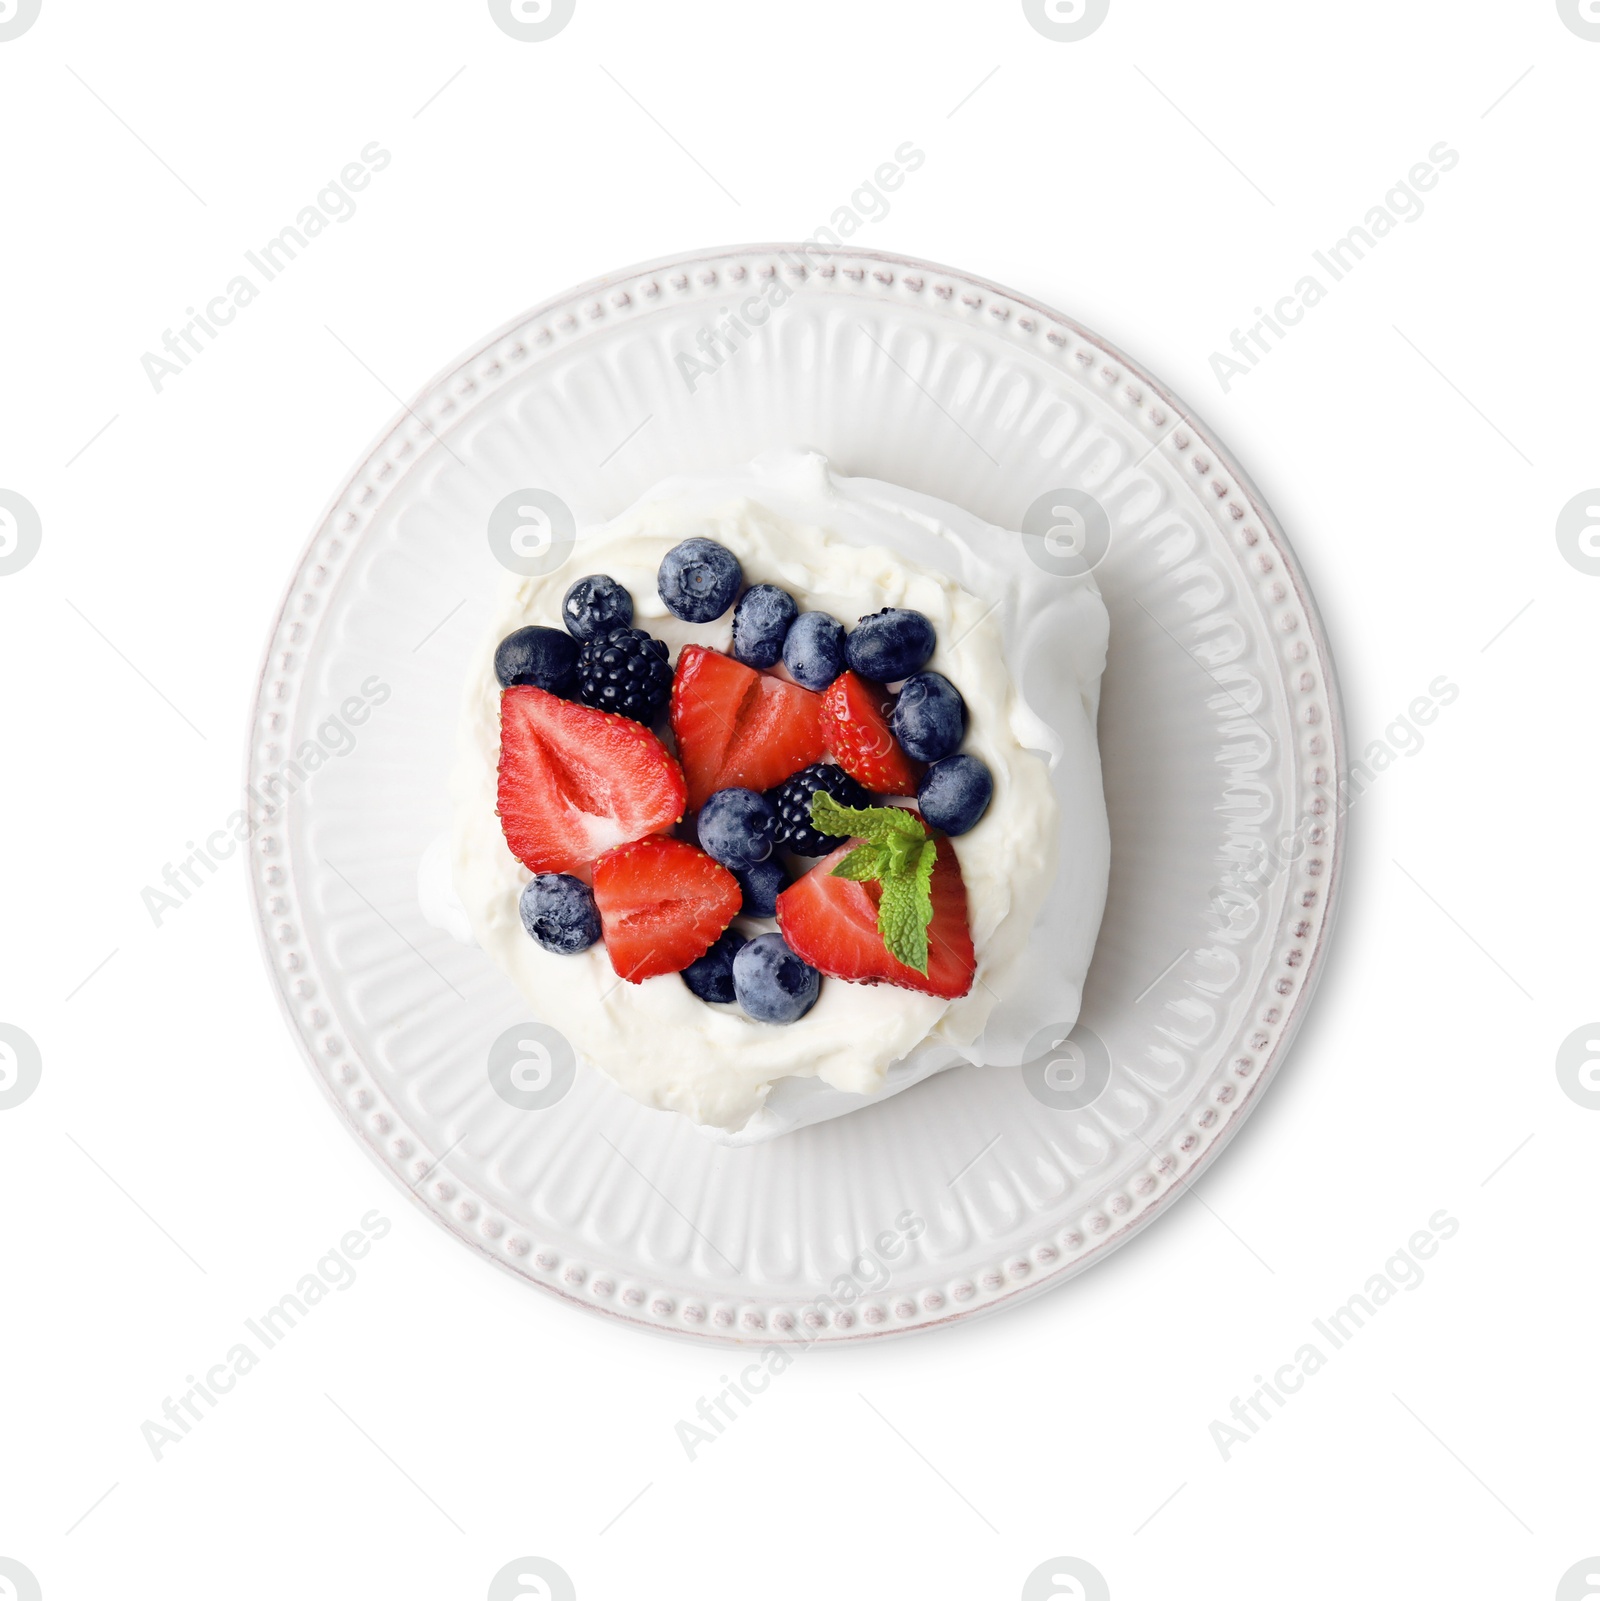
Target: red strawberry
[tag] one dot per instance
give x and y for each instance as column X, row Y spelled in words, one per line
column 575, row 781
column 662, row 902
column 832, row 923
column 855, row 724
column 735, row 726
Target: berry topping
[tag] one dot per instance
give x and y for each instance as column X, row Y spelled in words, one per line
column 890, row 644
column 662, row 902
column 762, row 885
column 698, row 580
column 791, row 800
column 595, row 605
column 711, row 976
column 834, row 924
column 760, row 622
column 736, row 827
column 813, row 650
column 625, row 671
column 855, row 724
column 738, row 727
column 929, row 717
column 543, row 657
column 955, row 793
column 558, row 910
column 575, row 781
column 772, row 983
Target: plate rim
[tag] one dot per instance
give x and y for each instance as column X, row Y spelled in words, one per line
column 1185, row 415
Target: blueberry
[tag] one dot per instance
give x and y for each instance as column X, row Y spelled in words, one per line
column 929, row 717
column 813, row 650
column 760, row 622
column 736, row 828
column 595, row 605
column 543, row 657
column 772, row 983
column 711, row 976
column 698, row 580
column 890, row 644
column 955, row 793
column 762, row 885
column 558, row 910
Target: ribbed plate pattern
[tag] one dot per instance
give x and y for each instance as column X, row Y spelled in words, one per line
column 1220, row 737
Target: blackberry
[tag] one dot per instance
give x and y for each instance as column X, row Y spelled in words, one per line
column 625, row 671
column 791, row 800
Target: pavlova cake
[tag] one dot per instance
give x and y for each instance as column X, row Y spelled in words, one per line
column 782, row 792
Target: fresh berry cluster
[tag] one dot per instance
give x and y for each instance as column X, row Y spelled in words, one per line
column 772, row 768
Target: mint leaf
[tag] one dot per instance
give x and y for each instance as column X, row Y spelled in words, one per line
column 865, row 861
column 878, row 825
column 905, row 911
column 898, row 853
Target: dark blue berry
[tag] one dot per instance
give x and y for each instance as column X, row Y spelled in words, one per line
column 890, row 644
column 711, row 976
column 955, row 793
column 760, row 622
column 813, row 650
column 762, row 885
column 595, row 605
column 625, row 671
column 929, row 718
column 558, row 910
column 772, row 983
column 791, row 800
column 543, row 657
column 698, row 579
column 736, row 828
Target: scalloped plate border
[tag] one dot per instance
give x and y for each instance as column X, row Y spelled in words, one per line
column 1256, row 1054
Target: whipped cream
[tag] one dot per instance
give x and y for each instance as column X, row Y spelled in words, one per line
column 1026, row 649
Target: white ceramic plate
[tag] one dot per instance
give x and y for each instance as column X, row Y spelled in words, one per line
column 1220, row 736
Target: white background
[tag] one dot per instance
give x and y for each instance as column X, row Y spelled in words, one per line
column 177, row 1169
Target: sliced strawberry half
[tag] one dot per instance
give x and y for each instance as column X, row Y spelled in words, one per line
column 575, row 782
column 662, row 902
column 855, row 724
column 735, row 726
column 832, row 923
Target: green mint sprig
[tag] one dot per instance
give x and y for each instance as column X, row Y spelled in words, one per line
column 897, row 852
